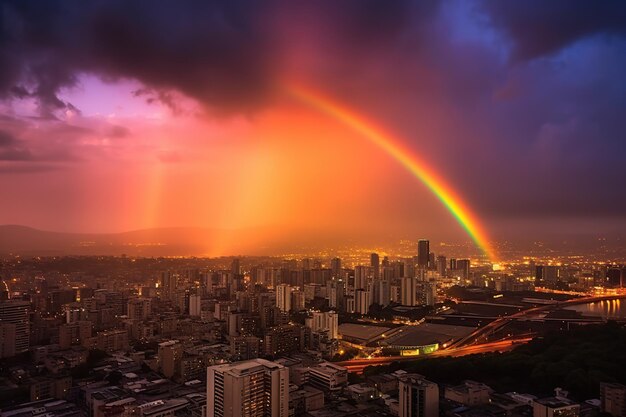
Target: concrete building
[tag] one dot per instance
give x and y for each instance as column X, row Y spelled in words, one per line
column 256, row 388
column 139, row 308
column 328, row 376
column 362, row 301
column 16, row 313
column 468, row 393
column 613, row 399
column 112, row 340
column 324, row 321
column 555, row 407
column 170, row 353
column 418, row 397
column 408, row 288
column 195, row 305
column 283, row 297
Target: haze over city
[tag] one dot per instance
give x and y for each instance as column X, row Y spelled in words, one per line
column 120, row 117
column 331, row 208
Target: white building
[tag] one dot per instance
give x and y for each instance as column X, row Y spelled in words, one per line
column 324, row 321
column 255, row 388
column 283, row 297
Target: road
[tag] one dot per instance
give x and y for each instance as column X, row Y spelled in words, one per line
column 470, row 344
column 495, row 325
column 357, row 365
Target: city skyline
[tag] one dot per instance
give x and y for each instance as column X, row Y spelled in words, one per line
column 456, row 121
column 331, row 208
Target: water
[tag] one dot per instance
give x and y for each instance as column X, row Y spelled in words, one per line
column 613, row 308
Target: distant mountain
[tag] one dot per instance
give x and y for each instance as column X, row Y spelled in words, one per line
column 187, row 241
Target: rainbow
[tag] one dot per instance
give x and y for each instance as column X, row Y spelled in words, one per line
column 393, row 148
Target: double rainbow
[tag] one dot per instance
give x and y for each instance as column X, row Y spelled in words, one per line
column 394, row 148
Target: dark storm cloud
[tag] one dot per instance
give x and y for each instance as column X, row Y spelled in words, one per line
column 539, row 27
column 11, row 149
column 226, row 54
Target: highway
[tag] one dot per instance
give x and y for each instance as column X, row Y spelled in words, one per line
column 497, row 324
column 470, row 344
column 357, row 365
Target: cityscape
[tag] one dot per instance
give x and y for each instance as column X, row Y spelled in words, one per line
column 320, row 209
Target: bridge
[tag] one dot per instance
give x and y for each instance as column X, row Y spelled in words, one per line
column 527, row 314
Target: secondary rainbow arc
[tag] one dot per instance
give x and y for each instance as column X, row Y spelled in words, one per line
column 393, row 147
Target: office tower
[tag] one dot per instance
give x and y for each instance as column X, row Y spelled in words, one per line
column 409, row 268
column 15, row 314
column 361, row 277
column 307, row 263
column 324, row 321
column 335, row 267
column 383, row 292
column 283, row 297
column 195, row 305
column 168, row 285
column 255, row 388
column 453, row 264
column 423, row 253
column 235, row 266
column 362, row 301
column 551, row 276
column 375, row 264
column 418, row 397
column 441, row 265
column 431, row 260
column 463, row 267
column 408, row 288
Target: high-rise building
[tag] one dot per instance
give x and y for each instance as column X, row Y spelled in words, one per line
column 168, row 285
column 7, row 340
column 324, row 321
column 431, row 260
column 375, row 264
column 15, row 312
column 245, row 347
column 463, row 268
column 418, row 397
column 429, row 293
column 139, row 308
column 195, row 305
column 383, row 292
column 335, row 267
column 423, row 253
column 235, row 266
column 170, row 354
column 283, row 297
column 255, row 388
column 362, row 301
column 441, row 265
column 362, row 274
column 408, row 288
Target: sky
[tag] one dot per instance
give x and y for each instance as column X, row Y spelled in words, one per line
column 120, row 115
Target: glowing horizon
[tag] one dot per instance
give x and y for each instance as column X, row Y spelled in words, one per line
column 391, row 145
